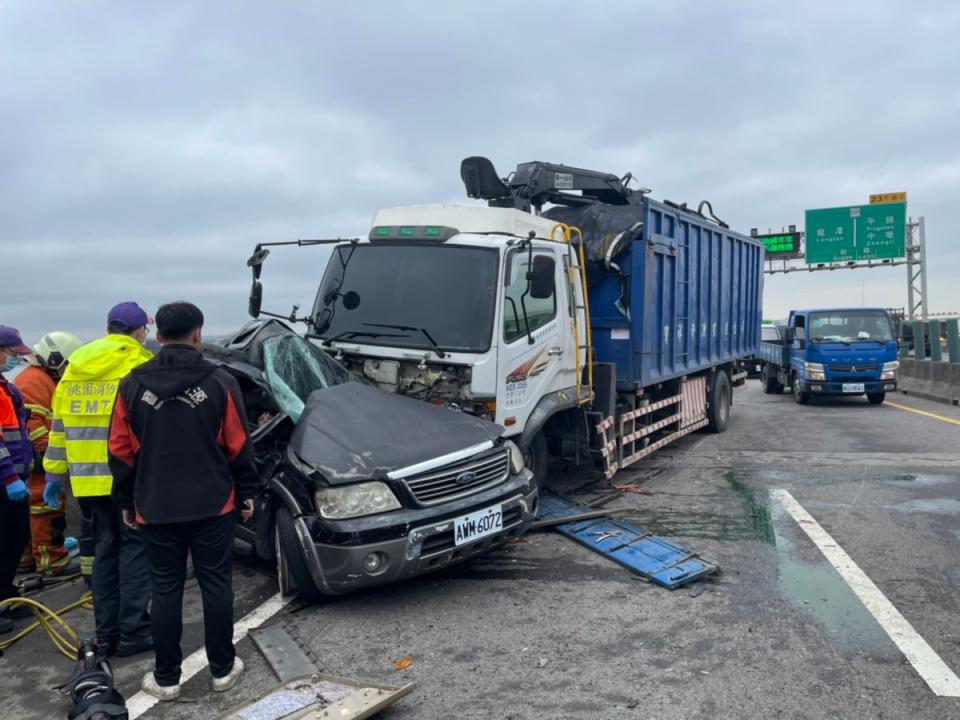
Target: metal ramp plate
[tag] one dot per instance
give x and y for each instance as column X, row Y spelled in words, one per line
column 665, row 563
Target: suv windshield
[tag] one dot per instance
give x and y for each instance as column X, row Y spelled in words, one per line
column 294, row 368
column 409, row 295
column 850, row 326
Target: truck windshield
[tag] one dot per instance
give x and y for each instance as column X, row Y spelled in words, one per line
column 409, row 296
column 849, row 326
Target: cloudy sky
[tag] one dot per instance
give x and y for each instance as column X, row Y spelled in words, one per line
column 146, row 148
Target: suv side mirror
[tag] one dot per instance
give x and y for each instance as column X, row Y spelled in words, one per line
column 541, row 277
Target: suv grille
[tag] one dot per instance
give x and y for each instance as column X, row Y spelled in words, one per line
column 460, row 479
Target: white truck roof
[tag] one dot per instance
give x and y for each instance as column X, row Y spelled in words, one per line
column 467, row 219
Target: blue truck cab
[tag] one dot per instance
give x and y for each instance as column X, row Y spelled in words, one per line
column 831, row 352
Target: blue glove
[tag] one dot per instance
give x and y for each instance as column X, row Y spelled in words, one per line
column 52, row 492
column 17, row 491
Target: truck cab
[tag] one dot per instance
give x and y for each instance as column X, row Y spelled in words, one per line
column 833, row 352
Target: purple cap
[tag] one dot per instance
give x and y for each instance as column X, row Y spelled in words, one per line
column 11, row 341
column 130, row 314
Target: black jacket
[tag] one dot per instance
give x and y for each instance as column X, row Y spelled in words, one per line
column 179, row 446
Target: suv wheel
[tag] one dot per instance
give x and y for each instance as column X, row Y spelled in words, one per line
column 292, row 571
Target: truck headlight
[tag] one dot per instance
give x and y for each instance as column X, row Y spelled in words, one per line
column 890, row 370
column 350, row 501
column 813, row 371
column 516, row 458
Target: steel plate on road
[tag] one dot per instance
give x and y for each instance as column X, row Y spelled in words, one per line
column 476, row 525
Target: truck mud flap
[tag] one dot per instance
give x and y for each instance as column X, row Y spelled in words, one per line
column 739, row 381
column 662, row 562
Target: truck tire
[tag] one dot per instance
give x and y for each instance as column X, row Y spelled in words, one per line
column 719, row 398
column 799, row 396
column 768, row 383
column 535, row 457
column 876, row 398
column 293, row 575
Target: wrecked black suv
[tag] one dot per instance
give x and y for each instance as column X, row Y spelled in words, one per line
column 360, row 486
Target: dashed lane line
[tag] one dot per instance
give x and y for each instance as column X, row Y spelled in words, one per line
column 194, row 663
column 938, row 676
column 941, row 418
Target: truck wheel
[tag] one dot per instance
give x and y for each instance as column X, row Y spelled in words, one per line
column 876, row 398
column 799, row 396
column 293, row 575
column 719, row 397
column 535, row 458
column 769, row 383
column 777, row 387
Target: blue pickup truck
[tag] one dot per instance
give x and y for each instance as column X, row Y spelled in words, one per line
column 830, row 352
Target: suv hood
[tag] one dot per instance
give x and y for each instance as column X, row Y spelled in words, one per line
column 355, row 432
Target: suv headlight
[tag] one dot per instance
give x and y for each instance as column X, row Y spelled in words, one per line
column 350, row 501
column 516, row 458
column 890, row 370
column 813, row 371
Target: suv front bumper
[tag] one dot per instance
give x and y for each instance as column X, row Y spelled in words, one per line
column 425, row 545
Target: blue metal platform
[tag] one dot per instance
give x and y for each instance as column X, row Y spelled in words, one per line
column 660, row 561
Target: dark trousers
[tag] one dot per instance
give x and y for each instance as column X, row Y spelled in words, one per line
column 210, row 544
column 14, row 535
column 121, row 579
column 86, row 545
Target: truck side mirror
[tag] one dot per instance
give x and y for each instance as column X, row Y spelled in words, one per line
column 541, row 277
column 256, row 299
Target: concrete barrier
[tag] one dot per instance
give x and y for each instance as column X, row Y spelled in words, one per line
column 930, row 379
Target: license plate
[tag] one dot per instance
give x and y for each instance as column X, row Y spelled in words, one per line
column 853, row 387
column 759, row 368
column 476, row 525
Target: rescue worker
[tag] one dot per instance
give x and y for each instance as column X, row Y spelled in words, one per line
column 36, row 383
column 77, row 450
column 16, row 454
column 182, row 464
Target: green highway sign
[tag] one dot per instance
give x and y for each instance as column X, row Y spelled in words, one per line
column 859, row 232
column 781, row 245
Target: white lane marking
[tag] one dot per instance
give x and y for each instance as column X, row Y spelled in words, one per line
column 194, row 663
column 925, row 661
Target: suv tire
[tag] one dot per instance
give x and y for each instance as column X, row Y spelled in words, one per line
column 292, row 570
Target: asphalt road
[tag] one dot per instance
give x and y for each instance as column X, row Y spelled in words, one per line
column 545, row 628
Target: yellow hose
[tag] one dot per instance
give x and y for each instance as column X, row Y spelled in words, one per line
column 66, row 645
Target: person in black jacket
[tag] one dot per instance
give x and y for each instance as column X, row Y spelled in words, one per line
column 182, row 465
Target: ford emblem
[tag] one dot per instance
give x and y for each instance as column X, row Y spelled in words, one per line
column 466, row 478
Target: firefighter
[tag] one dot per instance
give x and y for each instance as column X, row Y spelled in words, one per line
column 36, row 383
column 77, row 450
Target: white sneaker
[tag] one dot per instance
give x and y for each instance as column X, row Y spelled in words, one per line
column 163, row 693
column 230, row 680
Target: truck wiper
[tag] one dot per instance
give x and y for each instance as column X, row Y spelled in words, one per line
column 351, row 334
column 406, row 328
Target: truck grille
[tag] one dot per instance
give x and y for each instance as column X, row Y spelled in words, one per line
column 853, row 368
column 460, row 479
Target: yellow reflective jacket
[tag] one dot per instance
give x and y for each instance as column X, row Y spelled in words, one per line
column 82, row 405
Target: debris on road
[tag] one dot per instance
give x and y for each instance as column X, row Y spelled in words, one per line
column 321, row 697
column 654, row 558
column 282, row 653
column 632, row 488
column 403, row 663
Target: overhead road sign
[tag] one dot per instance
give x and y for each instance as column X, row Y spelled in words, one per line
column 781, row 245
column 900, row 197
column 856, row 233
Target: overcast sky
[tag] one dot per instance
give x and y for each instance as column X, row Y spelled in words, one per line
column 146, row 148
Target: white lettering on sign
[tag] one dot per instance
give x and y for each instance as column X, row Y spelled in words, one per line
column 854, row 212
column 821, row 232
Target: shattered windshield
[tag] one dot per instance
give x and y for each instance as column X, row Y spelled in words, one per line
column 413, row 296
column 294, row 368
column 850, row 326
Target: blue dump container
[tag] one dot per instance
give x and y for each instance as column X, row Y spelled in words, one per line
column 687, row 296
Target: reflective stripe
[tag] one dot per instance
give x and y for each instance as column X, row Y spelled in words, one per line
column 88, row 469
column 4, row 453
column 86, row 565
column 12, row 435
column 18, row 468
column 38, row 410
column 57, row 425
column 44, row 509
column 38, row 433
column 56, row 453
column 88, row 433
